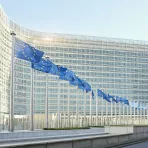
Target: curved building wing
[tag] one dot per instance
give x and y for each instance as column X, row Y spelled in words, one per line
column 117, row 66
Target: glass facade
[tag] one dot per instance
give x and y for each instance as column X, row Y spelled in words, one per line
column 117, row 66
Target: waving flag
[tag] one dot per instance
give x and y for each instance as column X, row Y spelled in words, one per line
column 103, row 95
column 106, row 97
column 126, row 101
column 93, row 96
column 26, row 52
column 87, row 87
column 133, row 104
column 136, row 104
column 68, row 75
column 54, row 69
column 113, row 98
column 81, row 87
column 46, row 66
column 145, row 106
column 43, row 65
column 117, row 99
column 100, row 93
column 62, row 70
column 76, row 81
column 123, row 100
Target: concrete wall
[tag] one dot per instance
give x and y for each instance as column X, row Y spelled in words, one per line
column 119, row 129
column 136, row 132
column 114, row 138
column 81, row 142
column 48, row 133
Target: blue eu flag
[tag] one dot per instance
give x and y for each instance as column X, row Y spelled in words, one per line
column 100, row 93
column 139, row 107
column 126, row 101
column 93, row 96
column 54, row 69
column 73, row 81
column 70, row 74
column 105, row 96
column 79, row 81
column 62, row 70
column 136, row 104
column 112, row 97
column 76, row 81
column 67, row 75
column 117, row 99
column 122, row 99
column 43, row 65
column 86, row 86
column 26, row 52
column 81, row 87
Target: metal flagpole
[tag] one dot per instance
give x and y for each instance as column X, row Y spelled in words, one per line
column 102, row 111
column 84, row 94
column 96, row 110
column 11, row 109
column 144, row 112
column 123, row 113
column 147, row 111
column 90, row 119
column 120, row 113
column 46, row 105
column 127, row 114
column 77, row 107
column 116, row 113
column 111, row 112
column 139, row 113
column 107, row 112
column 68, row 106
column 130, row 113
column 134, row 112
column 141, row 119
column 58, row 103
column 31, row 101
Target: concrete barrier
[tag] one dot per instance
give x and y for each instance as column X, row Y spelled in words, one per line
column 45, row 133
column 117, row 136
column 119, row 129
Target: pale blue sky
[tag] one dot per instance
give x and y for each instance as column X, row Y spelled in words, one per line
column 106, row 18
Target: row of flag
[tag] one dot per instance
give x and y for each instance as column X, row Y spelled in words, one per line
column 111, row 98
column 27, row 52
column 137, row 105
column 117, row 99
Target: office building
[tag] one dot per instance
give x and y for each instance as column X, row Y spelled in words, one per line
column 116, row 66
